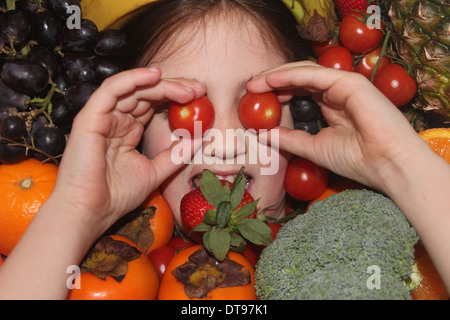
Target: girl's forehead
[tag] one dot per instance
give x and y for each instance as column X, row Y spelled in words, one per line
column 217, row 46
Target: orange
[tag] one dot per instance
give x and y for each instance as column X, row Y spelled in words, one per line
column 172, row 289
column 24, row 187
column 335, row 186
column 162, row 224
column 141, row 281
column 439, row 141
column 431, row 287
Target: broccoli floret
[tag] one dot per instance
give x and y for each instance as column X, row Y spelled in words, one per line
column 355, row 227
column 350, row 282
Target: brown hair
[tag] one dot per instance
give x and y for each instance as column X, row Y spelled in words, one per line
column 152, row 30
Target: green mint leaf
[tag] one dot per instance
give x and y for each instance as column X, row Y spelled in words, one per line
column 210, row 217
column 238, row 189
column 223, row 213
column 246, row 210
column 255, row 231
column 219, row 241
column 212, row 188
column 201, row 227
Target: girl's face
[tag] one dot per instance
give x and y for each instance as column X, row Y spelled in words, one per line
column 224, row 57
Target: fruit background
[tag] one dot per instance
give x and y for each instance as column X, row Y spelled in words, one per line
column 48, row 72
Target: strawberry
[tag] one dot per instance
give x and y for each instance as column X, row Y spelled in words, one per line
column 224, row 213
column 344, row 7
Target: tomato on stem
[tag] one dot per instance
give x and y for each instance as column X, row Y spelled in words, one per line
column 357, row 35
column 184, row 116
column 259, row 110
column 396, row 84
column 304, row 180
column 367, row 64
column 337, row 58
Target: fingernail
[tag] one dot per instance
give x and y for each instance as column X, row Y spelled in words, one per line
column 188, row 89
column 154, row 69
column 199, row 85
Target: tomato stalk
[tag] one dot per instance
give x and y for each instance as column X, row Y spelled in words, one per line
column 382, row 54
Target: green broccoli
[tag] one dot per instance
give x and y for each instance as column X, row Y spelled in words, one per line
column 353, row 230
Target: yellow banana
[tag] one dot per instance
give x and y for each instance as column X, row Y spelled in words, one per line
column 315, row 18
column 111, row 13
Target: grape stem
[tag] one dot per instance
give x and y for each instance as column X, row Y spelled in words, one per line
column 32, row 147
column 11, row 4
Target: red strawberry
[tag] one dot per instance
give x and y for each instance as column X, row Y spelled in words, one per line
column 344, row 7
column 194, row 205
column 222, row 215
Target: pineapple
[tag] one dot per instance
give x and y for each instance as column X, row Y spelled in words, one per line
column 421, row 37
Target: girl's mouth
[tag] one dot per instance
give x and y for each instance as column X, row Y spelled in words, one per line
column 195, row 180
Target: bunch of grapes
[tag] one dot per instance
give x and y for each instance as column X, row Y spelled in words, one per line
column 49, row 69
column 306, row 114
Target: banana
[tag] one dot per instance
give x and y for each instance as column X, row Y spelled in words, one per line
column 111, row 13
column 315, row 18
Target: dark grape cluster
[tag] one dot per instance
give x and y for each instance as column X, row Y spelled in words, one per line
column 306, row 114
column 49, row 68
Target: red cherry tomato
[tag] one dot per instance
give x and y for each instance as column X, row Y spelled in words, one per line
column 304, row 180
column 160, row 257
column 250, row 255
column 178, row 243
column 319, row 47
column 259, row 110
column 337, row 58
column 184, row 116
column 357, row 36
column 396, row 84
column 368, row 62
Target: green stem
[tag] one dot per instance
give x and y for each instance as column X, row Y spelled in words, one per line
column 11, row 4
column 382, row 54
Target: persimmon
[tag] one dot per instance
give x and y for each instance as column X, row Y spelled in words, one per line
column 24, row 187
column 116, row 269
column 198, row 270
column 162, row 223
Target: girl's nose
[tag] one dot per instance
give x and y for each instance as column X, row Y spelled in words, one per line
column 225, row 140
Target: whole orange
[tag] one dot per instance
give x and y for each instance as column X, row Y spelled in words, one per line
column 162, row 223
column 439, row 140
column 24, row 187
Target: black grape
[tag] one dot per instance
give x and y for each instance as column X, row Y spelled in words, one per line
column 304, row 109
column 60, row 7
column 105, row 67
column 12, row 97
column 111, row 43
column 81, row 39
column 61, row 115
column 311, row 127
column 25, row 76
column 32, row 6
column 49, row 139
column 44, row 57
column 15, row 27
column 13, row 127
column 77, row 68
column 45, row 29
column 77, row 96
column 11, row 153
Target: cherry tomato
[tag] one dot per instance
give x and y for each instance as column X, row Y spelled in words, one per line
column 337, row 58
column 160, row 257
column 250, row 255
column 178, row 243
column 368, row 62
column 357, row 36
column 259, row 110
column 184, row 116
column 304, row 180
column 396, row 84
column 319, row 47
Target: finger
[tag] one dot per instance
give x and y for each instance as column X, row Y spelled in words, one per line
column 173, row 158
column 296, row 142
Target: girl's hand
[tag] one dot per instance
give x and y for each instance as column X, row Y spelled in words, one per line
column 367, row 134
column 101, row 173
